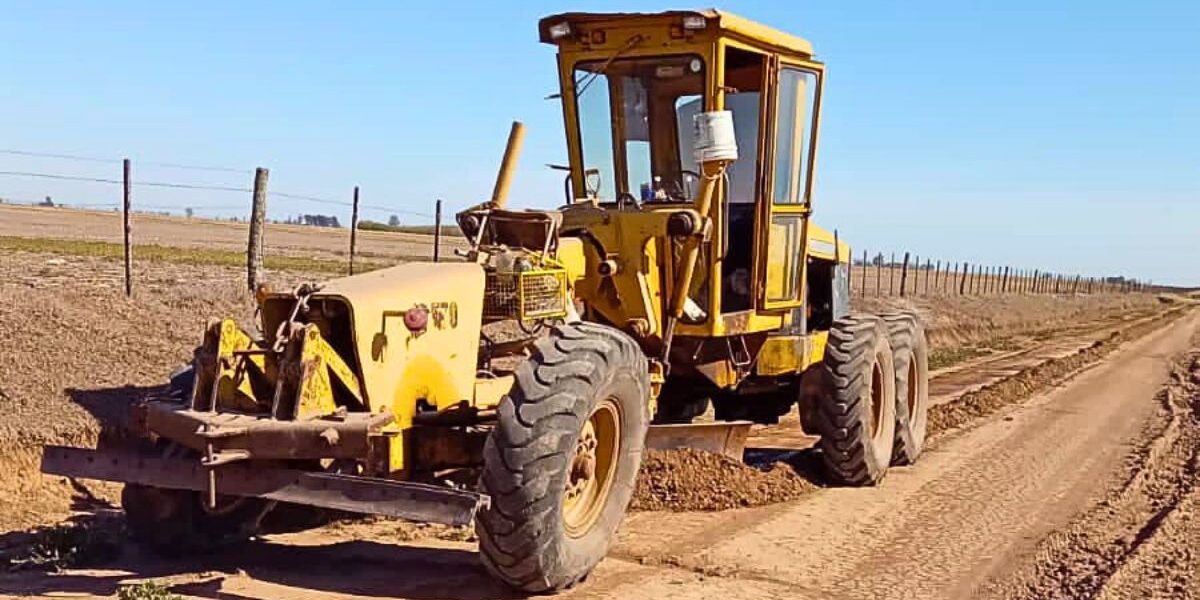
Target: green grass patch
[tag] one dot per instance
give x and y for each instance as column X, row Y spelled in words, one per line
column 175, row 255
column 146, row 590
column 69, row 545
column 1001, row 344
column 448, row 231
column 948, row 357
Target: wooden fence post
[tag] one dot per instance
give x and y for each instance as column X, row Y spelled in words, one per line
column 928, row 272
column 962, row 284
column 864, row 276
column 904, row 276
column 353, row 229
column 437, row 231
column 258, row 215
column 127, row 200
column 879, row 277
column 892, row 276
column 1036, row 277
column 916, row 275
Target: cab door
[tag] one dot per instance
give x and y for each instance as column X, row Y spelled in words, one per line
column 795, row 101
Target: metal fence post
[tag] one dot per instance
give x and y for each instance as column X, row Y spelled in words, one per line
column 353, row 229
column 127, row 200
column 437, row 231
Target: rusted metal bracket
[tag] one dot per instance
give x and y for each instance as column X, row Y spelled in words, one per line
column 367, row 495
column 235, row 436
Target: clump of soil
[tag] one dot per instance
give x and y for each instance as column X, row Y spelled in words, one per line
column 689, row 479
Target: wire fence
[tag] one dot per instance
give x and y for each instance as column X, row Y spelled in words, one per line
column 878, row 275
column 215, row 193
column 884, row 275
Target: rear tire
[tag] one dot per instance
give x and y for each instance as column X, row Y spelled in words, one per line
column 911, row 352
column 562, row 462
column 854, row 410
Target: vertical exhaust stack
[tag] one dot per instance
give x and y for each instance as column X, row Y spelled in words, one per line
column 511, row 153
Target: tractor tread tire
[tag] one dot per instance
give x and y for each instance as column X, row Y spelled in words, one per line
column 910, row 349
column 842, row 414
column 522, row 539
column 173, row 522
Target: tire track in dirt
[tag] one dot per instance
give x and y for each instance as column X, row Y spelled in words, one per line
column 1138, row 540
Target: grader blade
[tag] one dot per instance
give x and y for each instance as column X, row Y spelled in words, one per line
column 728, row 438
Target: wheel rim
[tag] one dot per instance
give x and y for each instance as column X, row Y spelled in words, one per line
column 590, row 472
column 876, row 398
column 225, row 504
column 911, row 400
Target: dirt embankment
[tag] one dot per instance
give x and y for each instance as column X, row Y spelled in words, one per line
column 1140, row 540
column 74, row 352
column 984, row 401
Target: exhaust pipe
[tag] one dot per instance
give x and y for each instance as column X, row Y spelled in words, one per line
column 511, row 152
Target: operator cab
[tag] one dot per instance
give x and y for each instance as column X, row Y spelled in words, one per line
column 631, row 88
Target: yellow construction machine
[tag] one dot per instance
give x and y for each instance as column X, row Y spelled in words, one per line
column 681, row 278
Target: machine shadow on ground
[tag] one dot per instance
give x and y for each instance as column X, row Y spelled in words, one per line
column 354, row 567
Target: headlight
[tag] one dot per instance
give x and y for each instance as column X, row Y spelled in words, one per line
column 561, row 30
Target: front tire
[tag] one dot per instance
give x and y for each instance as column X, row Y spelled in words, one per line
column 176, row 522
column 854, row 409
column 562, row 462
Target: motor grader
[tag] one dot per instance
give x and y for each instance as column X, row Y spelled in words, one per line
column 679, row 294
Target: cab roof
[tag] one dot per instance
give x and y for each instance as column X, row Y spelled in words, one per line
column 725, row 23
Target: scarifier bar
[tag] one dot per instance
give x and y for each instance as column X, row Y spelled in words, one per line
column 367, row 495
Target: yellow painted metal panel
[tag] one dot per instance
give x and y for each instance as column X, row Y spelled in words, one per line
column 400, row 367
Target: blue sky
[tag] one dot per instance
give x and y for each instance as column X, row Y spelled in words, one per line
column 1062, row 136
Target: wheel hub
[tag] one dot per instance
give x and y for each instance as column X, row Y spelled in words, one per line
column 590, row 472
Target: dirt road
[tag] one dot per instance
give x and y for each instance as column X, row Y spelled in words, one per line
column 1002, row 509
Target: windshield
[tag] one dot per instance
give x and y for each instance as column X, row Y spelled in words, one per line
column 635, row 126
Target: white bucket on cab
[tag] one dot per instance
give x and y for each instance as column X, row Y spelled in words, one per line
column 715, row 138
